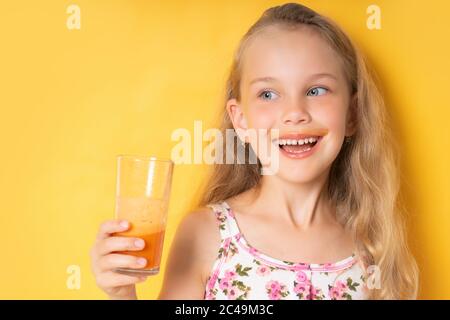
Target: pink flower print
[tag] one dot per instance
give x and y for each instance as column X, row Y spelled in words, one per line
column 275, row 295
column 301, row 287
column 210, row 296
column 233, row 293
column 341, row 286
column 263, row 271
column 276, row 290
column 301, row 276
column 273, row 285
column 230, row 274
column 231, row 250
column 212, row 281
column 338, row 291
column 334, row 293
column 224, row 284
column 221, row 217
column 253, row 251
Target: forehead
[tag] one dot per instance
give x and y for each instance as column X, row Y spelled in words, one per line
column 291, row 55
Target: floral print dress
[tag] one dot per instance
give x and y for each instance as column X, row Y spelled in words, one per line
column 242, row 272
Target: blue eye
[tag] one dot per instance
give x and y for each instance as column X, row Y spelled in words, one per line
column 266, row 94
column 316, row 91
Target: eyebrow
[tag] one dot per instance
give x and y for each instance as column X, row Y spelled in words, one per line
column 314, row 76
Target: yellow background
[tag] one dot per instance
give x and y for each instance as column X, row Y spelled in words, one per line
column 71, row 100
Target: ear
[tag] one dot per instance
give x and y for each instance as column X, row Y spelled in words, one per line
column 237, row 116
column 351, row 120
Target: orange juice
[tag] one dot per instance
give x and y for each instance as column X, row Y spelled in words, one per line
column 147, row 218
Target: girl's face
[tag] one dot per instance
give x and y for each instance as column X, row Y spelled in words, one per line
column 304, row 92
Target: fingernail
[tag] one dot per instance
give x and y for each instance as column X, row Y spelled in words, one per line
column 141, row 261
column 124, row 224
column 139, row 243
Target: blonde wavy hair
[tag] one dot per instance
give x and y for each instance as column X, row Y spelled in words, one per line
column 364, row 179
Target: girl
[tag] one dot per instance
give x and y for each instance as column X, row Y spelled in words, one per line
column 327, row 224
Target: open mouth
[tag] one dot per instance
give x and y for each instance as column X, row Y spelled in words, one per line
column 298, row 146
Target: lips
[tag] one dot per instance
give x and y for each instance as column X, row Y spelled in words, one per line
column 297, row 140
column 298, row 145
column 297, row 135
column 300, row 151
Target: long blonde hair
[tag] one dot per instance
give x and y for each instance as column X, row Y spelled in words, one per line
column 364, row 179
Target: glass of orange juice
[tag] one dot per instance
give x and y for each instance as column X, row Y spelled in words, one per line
column 143, row 187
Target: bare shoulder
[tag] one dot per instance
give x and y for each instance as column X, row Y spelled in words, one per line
column 203, row 224
column 202, row 228
column 192, row 254
column 202, row 220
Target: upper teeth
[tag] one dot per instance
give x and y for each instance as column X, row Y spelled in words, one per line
column 296, row 142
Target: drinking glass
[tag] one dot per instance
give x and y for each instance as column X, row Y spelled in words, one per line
column 143, row 187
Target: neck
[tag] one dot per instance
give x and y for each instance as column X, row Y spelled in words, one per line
column 300, row 204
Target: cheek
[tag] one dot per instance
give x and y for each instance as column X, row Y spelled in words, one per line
column 332, row 118
column 334, row 122
column 261, row 118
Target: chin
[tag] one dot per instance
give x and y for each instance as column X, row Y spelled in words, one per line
column 298, row 175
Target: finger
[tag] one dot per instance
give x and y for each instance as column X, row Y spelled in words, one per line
column 112, row 261
column 111, row 226
column 113, row 279
column 115, row 244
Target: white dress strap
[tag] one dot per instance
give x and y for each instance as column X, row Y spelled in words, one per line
column 227, row 224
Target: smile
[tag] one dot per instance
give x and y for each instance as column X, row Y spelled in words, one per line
column 298, row 148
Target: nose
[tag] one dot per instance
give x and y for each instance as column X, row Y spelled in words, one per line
column 295, row 113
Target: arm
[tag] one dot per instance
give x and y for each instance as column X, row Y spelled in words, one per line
column 192, row 253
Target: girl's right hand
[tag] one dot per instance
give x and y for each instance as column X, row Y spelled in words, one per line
column 104, row 259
